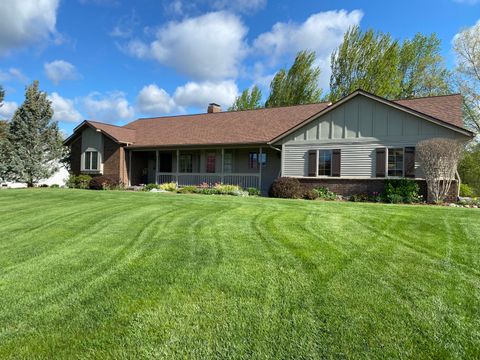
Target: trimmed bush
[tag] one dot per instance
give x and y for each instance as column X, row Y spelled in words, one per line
column 103, row 182
column 171, row 186
column 310, row 194
column 407, row 189
column 79, row 182
column 287, row 188
column 253, row 191
column 466, row 190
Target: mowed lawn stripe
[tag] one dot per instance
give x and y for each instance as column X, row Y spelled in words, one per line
column 142, row 275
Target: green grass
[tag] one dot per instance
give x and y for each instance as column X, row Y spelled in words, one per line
column 87, row 274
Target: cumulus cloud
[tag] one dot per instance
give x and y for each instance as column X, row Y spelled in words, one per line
column 153, row 100
column 207, row 47
column 60, row 70
column 110, row 107
column 321, row 32
column 7, row 109
column 26, row 22
column 195, row 94
column 64, row 109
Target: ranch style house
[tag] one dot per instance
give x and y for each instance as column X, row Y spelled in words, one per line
column 350, row 146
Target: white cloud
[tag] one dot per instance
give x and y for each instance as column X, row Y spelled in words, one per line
column 110, row 107
column 64, row 109
column 239, row 5
column 7, row 109
column 153, row 100
column 201, row 94
column 321, row 32
column 181, row 7
column 13, row 74
column 60, row 70
column 207, row 47
column 25, row 22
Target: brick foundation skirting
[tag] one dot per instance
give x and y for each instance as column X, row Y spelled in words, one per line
column 347, row 187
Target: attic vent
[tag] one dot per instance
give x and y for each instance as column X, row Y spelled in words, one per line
column 213, row 108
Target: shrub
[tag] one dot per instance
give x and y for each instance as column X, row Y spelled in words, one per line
column 226, row 189
column 325, row 194
column 103, row 182
column 407, row 189
column 287, row 188
column 253, row 191
column 206, row 191
column 43, row 186
column 394, row 198
column 310, row 194
column 376, row 197
column 149, row 187
column 359, row 197
column 79, row 182
column 171, row 186
column 187, row 189
column 239, row 193
column 55, row 186
column 466, row 190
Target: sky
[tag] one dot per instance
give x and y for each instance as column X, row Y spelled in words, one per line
column 115, row 61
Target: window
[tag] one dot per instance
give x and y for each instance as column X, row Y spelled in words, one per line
column 228, row 162
column 395, row 162
column 91, row 160
column 186, row 165
column 165, row 162
column 211, row 162
column 255, row 158
column 324, row 163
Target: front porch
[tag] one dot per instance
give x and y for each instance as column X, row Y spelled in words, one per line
column 243, row 166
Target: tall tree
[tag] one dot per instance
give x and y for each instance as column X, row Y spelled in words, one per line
column 469, row 168
column 249, row 99
column 467, row 48
column 3, row 129
column 379, row 64
column 298, row 85
column 34, row 141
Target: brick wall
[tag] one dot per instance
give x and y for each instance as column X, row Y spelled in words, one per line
column 114, row 160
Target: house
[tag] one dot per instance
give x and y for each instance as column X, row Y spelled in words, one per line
column 350, row 146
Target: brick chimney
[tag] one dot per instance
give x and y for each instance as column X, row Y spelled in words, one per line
column 213, row 108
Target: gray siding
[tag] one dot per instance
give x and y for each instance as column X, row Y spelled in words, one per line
column 92, row 141
column 358, row 127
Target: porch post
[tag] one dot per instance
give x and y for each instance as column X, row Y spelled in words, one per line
column 156, row 167
column 260, row 170
column 178, row 166
column 129, row 167
column 223, row 157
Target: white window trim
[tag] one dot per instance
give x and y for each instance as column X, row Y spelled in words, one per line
column 99, row 163
column 403, row 162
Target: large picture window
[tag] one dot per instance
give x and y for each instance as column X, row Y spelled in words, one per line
column 186, row 164
column 90, row 160
column 254, row 159
column 325, row 163
column 395, row 162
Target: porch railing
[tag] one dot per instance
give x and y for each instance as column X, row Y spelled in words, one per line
column 184, row 179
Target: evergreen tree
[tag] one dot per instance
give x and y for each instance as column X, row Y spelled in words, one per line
column 249, row 99
column 375, row 62
column 298, row 85
column 34, row 144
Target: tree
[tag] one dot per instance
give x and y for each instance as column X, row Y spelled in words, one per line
column 375, row 62
column 34, row 143
column 439, row 158
column 298, row 85
column 249, row 99
column 469, row 168
column 467, row 48
column 3, row 129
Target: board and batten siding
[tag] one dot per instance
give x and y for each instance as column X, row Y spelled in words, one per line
column 357, row 127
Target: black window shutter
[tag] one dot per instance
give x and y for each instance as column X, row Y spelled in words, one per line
column 312, row 162
column 410, row 162
column 336, row 162
column 380, row 162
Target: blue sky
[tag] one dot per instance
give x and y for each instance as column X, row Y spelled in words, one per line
column 115, row 61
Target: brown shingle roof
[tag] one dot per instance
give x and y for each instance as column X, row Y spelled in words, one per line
column 252, row 126
column 233, row 127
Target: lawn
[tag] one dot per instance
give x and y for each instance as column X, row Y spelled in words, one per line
column 87, row 274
